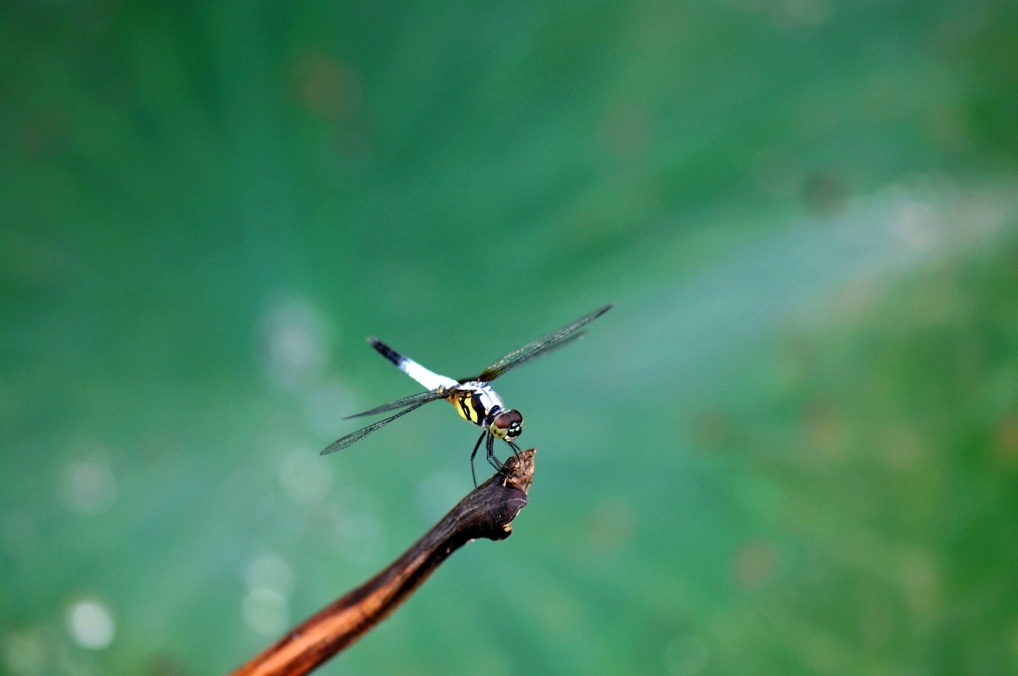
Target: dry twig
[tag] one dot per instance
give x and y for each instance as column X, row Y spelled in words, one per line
column 486, row 512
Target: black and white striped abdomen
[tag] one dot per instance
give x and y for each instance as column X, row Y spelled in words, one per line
column 428, row 379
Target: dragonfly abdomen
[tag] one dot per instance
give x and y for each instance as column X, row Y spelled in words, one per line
column 429, row 379
column 387, row 352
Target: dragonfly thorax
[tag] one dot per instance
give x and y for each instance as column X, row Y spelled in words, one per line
column 481, row 405
column 476, row 402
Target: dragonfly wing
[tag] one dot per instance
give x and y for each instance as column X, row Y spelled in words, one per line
column 491, row 372
column 354, row 437
column 540, row 346
column 418, row 398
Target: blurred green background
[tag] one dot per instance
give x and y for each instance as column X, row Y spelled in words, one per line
column 792, row 446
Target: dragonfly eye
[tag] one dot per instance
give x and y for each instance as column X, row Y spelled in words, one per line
column 507, row 425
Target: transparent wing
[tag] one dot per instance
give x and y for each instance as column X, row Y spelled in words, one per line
column 418, row 398
column 540, row 346
column 543, row 351
column 354, row 437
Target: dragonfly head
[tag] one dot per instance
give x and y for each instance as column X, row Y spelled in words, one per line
column 507, row 425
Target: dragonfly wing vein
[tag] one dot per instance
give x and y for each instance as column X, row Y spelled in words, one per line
column 540, row 346
column 417, row 398
column 354, row 437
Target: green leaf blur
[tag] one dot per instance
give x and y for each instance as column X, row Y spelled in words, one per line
column 792, row 447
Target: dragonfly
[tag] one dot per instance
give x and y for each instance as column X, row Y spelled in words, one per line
column 473, row 398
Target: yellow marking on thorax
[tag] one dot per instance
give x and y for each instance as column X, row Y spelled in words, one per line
column 463, row 402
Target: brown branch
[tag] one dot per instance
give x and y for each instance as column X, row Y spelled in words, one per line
column 486, row 512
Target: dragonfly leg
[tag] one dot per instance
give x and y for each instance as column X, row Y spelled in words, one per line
column 516, row 451
column 473, row 453
column 492, row 460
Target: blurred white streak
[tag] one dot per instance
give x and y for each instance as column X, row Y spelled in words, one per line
column 266, row 606
column 795, row 277
column 91, row 624
column 88, row 488
column 265, row 611
column 293, row 341
column 269, row 571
